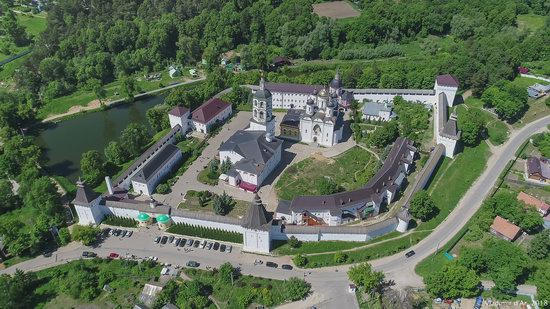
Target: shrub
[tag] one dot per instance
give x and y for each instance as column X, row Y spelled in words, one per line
column 340, row 257
column 119, row 221
column 203, row 232
column 163, row 188
column 293, row 242
column 300, row 260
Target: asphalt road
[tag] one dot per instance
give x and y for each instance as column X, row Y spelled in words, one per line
column 401, row 269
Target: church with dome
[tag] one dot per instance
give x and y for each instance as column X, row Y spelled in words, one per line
column 314, row 112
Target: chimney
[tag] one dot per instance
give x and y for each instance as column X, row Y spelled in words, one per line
column 109, row 185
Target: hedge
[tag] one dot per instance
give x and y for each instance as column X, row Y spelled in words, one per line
column 203, row 232
column 119, row 221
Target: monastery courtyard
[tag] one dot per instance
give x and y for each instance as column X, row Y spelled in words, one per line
column 292, row 152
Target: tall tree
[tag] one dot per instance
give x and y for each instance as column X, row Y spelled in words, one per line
column 95, row 85
column 364, row 276
column 453, row 281
column 92, row 167
column 134, row 138
column 422, row 206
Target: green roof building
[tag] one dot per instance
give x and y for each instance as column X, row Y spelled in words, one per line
column 143, row 217
column 163, row 219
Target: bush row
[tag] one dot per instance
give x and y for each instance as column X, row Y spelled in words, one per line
column 119, row 221
column 203, row 232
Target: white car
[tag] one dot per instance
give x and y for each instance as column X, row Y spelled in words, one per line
column 203, row 244
column 228, row 248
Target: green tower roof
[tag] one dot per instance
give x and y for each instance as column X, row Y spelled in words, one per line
column 143, row 217
column 163, row 218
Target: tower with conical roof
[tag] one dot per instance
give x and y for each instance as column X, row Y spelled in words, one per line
column 257, row 228
column 262, row 110
column 86, row 204
column 403, row 218
column 336, row 84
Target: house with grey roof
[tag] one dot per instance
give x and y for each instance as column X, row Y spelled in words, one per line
column 538, row 169
column 378, row 111
column 146, row 180
column 253, row 155
column 538, row 90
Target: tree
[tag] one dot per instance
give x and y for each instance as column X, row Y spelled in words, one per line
column 473, row 258
column 300, row 260
column 43, row 196
column 64, row 236
column 158, row 118
column 8, row 200
column 340, row 257
column 192, row 295
column 86, row 234
column 364, row 276
column 95, row 85
column 14, row 290
column 115, row 153
column 385, row 135
column 422, row 206
column 542, row 281
column 134, row 138
column 326, row 186
column 293, row 242
column 226, row 166
column 92, row 167
column 222, row 204
column 16, row 240
column 129, row 88
column 296, row 289
column 508, row 99
column 540, row 245
column 471, row 124
column 226, row 273
column 453, row 281
column 13, row 29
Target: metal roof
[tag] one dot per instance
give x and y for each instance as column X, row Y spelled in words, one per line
column 256, row 218
column 84, row 194
column 447, row 80
column 178, row 111
column 209, row 110
column 154, row 165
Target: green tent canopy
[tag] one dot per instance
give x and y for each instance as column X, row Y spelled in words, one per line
column 143, row 217
column 163, row 218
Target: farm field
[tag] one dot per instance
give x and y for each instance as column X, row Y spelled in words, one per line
column 335, row 10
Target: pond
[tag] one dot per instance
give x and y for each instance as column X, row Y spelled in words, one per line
column 66, row 141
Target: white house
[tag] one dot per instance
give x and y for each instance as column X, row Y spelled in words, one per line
column 146, row 180
column 209, row 113
column 179, row 115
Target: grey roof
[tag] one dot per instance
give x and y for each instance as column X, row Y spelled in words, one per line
column 336, row 82
column 154, row 165
column 141, row 206
column 383, row 180
column 404, row 215
column 533, row 93
column 283, row 207
column 150, row 151
column 392, row 91
column 374, row 108
column 256, row 218
column 170, row 306
column 253, row 147
column 204, row 216
column 540, row 87
column 84, row 194
column 347, row 96
column 292, row 118
column 262, row 93
column 292, row 88
column 447, row 128
column 320, row 229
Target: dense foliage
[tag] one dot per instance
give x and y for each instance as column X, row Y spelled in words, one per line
column 453, row 281
column 210, row 233
column 422, row 206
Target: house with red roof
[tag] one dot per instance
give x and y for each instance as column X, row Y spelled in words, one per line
column 209, row 113
column 504, row 229
column 529, row 200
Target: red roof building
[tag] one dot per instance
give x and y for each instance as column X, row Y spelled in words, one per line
column 447, row 80
column 504, row 229
column 529, row 200
column 523, row 70
column 210, row 112
column 178, row 111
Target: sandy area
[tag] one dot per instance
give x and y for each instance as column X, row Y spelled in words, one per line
column 335, row 10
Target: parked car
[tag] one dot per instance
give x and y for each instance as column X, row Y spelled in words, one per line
column 216, row 246
column 222, row 248
column 286, row 266
column 171, row 239
column 203, row 244
column 112, row 232
column 163, row 240
column 271, row 264
column 47, row 254
column 113, row 255
column 189, row 242
column 410, row 253
column 209, row 245
column 116, row 232
column 106, row 232
column 157, row 240
column 196, row 244
column 192, row 264
column 177, row 242
column 258, row 262
column 124, row 232
column 129, row 234
column 228, row 248
column 183, row 242
column 88, row 254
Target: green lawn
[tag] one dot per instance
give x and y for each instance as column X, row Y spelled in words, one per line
column 33, row 24
column 531, row 22
column 302, row 177
column 525, row 82
column 496, row 129
column 315, row 247
column 228, row 296
column 192, row 203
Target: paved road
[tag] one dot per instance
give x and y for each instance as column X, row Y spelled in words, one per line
column 329, row 287
column 401, row 269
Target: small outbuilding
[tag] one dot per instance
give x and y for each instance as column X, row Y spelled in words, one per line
column 164, row 221
column 143, row 219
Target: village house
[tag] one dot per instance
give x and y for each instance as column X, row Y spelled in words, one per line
column 504, row 229
column 378, row 111
column 209, row 113
column 529, row 200
column 538, row 169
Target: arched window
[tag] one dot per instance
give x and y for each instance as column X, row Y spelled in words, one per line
column 255, row 113
column 255, row 103
column 261, row 115
column 261, row 104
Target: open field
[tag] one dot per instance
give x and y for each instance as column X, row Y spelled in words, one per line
column 335, row 10
column 192, row 203
column 531, row 22
column 32, row 23
column 302, row 178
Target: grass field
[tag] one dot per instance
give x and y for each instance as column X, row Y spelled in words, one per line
column 531, row 22
column 302, row 177
column 496, row 129
column 33, row 24
column 192, row 203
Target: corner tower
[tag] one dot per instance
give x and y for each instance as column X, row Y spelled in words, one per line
column 256, row 228
column 86, row 204
column 262, row 110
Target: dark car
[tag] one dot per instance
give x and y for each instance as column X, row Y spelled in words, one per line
column 124, row 232
column 196, row 243
column 171, row 239
column 157, row 240
column 116, row 232
column 47, row 254
column 271, row 264
column 192, row 264
column 163, row 240
column 106, row 232
column 189, row 242
column 216, row 246
column 222, row 248
column 410, row 253
column 182, row 242
column 286, row 266
column 88, row 254
column 177, row 243
column 129, row 234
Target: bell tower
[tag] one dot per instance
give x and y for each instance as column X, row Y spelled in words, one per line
column 262, row 110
